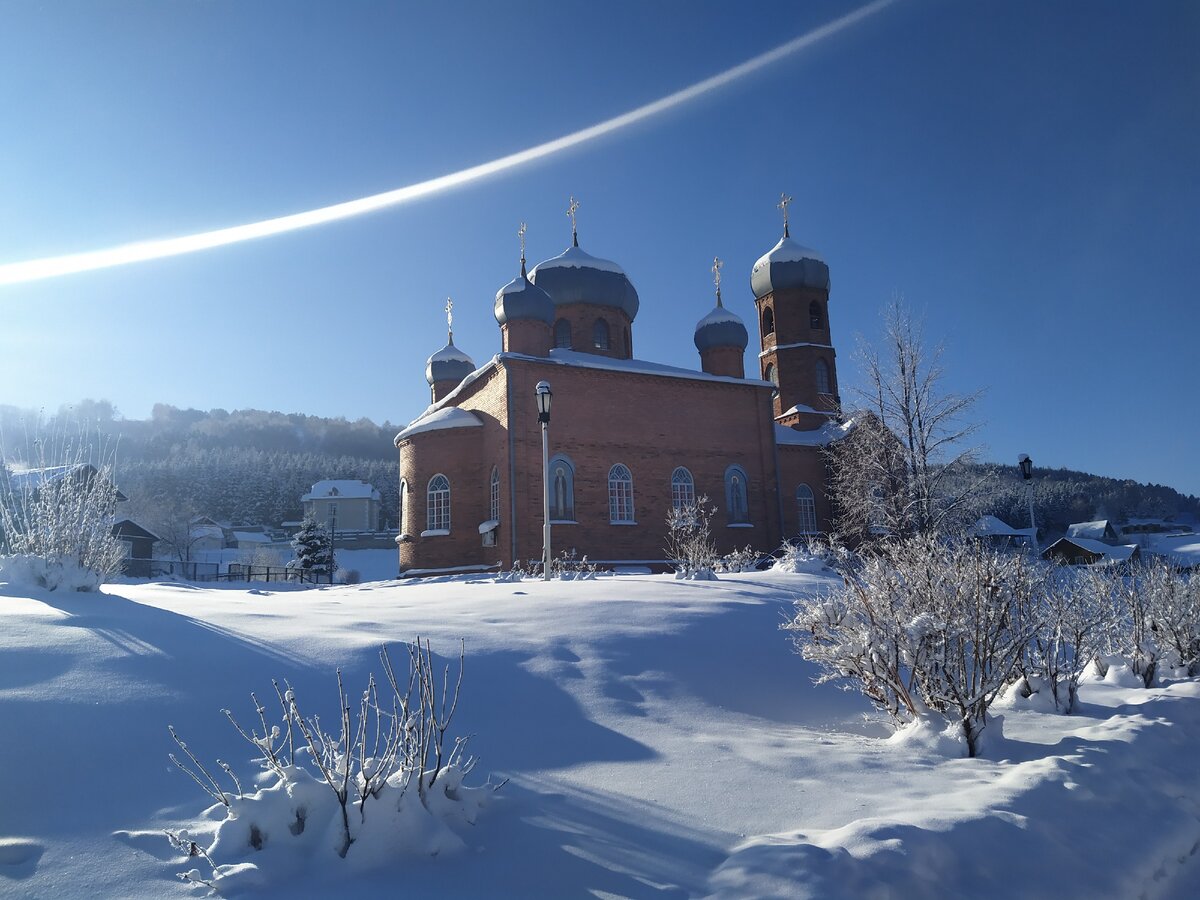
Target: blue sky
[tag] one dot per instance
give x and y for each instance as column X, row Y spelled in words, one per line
column 1024, row 174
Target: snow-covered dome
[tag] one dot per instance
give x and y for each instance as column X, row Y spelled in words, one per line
column 721, row 328
column 522, row 299
column 448, row 364
column 577, row 277
column 788, row 266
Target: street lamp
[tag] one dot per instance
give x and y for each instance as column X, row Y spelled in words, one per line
column 544, row 396
column 1025, row 464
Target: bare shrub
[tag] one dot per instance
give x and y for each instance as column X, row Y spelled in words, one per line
column 690, row 548
column 924, row 626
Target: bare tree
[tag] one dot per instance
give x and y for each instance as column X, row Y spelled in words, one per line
column 893, row 473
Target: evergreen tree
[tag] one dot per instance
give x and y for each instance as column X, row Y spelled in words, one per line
column 314, row 549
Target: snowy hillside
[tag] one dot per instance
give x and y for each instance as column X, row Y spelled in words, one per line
column 660, row 739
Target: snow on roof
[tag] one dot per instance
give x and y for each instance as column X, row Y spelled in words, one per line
column 207, row 531
column 990, row 526
column 574, row 258
column 251, row 537
column 719, row 315
column 788, row 250
column 776, row 347
column 1093, row 530
column 817, row 437
column 350, row 489
column 635, row 366
column 1116, row 553
column 446, row 417
column 798, row 408
column 1181, row 549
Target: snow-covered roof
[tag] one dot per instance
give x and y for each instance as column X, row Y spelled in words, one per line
column 798, row 408
column 720, row 328
column 788, row 265
column 1181, row 549
column 1114, row 553
column 636, row 366
column 816, row 437
column 251, row 537
column 522, row 299
column 578, row 277
column 199, row 532
column 990, row 526
column 1093, row 530
column 448, row 364
column 347, row 488
column 446, row 417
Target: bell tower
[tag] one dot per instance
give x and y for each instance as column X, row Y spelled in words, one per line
column 791, row 295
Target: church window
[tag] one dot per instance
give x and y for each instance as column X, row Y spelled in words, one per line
column 735, row 495
column 768, row 322
column 683, row 489
column 620, row 494
column 815, row 319
column 806, row 507
column 562, row 489
column 600, row 335
column 494, row 496
column 772, row 374
column 823, row 377
column 437, row 512
column 562, row 334
column 403, row 504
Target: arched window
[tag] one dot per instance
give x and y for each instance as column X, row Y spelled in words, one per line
column 620, row 494
column 815, row 319
column 562, row 489
column 823, row 377
column 403, row 504
column 600, row 335
column 562, row 334
column 806, row 508
column 768, row 325
column 735, row 495
column 772, row 374
column 494, row 496
column 683, row 489
column 437, row 509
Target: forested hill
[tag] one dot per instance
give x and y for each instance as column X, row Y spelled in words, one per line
column 247, row 466
column 252, row 466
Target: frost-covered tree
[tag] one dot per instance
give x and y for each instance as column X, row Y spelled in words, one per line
column 56, row 517
column 690, row 548
column 895, row 475
column 924, row 627
column 314, row 549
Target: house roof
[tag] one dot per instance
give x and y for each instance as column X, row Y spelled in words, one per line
column 1110, row 552
column 990, row 526
column 251, row 537
column 127, row 528
column 346, row 488
column 1093, row 530
column 827, row 434
column 30, row 479
column 447, row 417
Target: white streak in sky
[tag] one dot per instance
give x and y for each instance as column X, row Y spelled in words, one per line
column 49, row 267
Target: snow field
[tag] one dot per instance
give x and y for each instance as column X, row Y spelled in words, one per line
column 661, row 738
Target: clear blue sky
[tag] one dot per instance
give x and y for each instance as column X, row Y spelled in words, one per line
column 1024, row 173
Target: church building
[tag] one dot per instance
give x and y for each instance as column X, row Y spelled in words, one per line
column 471, row 468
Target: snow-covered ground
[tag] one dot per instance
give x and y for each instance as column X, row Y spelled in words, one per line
column 660, row 737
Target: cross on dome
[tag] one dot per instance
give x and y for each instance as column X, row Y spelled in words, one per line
column 571, row 210
column 716, row 270
column 450, row 319
column 784, row 200
column 521, row 236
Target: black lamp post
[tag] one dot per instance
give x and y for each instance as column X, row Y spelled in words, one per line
column 544, row 397
column 1025, row 464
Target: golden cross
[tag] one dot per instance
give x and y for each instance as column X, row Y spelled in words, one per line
column 784, row 200
column 571, row 210
column 450, row 315
column 716, row 270
column 521, row 235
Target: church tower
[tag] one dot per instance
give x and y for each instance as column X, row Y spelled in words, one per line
column 791, row 294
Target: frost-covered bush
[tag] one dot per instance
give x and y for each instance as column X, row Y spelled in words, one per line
column 812, row 557
column 1171, row 633
column 58, row 516
column 690, row 548
column 743, row 560
column 387, row 783
column 924, row 627
column 570, row 566
column 1075, row 613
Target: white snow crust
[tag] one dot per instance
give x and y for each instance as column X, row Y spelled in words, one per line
column 575, row 258
column 661, row 740
column 446, row 417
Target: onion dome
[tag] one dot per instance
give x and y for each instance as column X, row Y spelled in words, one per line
column 522, row 299
column 720, row 328
column 788, row 266
column 577, row 277
column 448, row 364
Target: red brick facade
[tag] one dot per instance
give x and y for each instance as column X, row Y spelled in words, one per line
column 611, row 410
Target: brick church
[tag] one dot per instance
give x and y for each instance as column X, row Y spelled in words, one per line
column 471, row 476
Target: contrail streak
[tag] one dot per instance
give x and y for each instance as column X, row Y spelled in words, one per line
column 50, row 267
